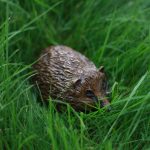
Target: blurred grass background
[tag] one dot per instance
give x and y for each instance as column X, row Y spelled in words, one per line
column 112, row 33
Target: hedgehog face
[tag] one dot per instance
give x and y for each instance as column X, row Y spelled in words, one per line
column 91, row 89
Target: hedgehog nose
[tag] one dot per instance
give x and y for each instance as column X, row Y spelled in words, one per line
column 105, row 103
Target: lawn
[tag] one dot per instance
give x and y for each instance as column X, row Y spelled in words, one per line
column 113, row 33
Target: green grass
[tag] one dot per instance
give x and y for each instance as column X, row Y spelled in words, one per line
column 113, row 33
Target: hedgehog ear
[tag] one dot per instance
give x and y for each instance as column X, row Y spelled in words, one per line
column 101, row 69
column 77, row 83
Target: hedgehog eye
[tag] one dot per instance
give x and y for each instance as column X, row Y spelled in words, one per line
column 90, row 93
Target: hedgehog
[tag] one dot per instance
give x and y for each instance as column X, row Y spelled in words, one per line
column 64, row 74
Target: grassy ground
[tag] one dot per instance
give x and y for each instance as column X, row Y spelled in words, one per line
column 113, row 33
